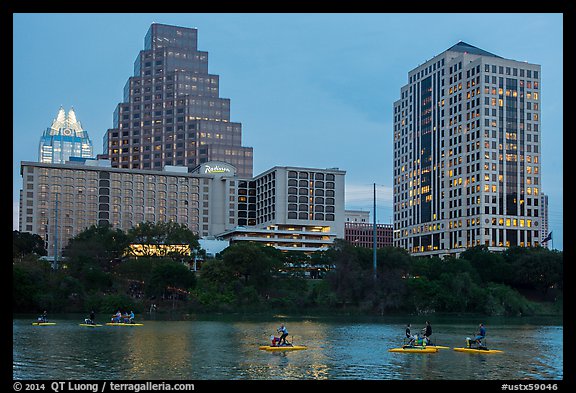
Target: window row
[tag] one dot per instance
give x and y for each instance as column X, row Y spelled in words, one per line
column 311, row 175
column 306, row 216
column 317, row 208
column 306, row 191
column 311, row 183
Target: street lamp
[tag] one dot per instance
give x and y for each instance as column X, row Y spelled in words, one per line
column 374, row 234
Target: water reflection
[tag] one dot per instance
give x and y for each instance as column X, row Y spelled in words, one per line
column 228, row 350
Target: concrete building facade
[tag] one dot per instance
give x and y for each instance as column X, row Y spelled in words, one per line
column 291, row 208
column 58, row 201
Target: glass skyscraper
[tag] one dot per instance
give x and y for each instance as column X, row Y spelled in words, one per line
column 467, row 154
column 171, row 113
column 65, row 138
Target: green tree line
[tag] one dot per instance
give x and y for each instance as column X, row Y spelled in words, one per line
column 99, row 274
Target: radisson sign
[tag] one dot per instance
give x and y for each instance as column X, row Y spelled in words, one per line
column 217, row 168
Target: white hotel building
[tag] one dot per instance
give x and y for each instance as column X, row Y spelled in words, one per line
column 467, row 154
column 293, row 208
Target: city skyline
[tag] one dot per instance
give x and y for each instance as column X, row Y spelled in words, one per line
column 307, row 92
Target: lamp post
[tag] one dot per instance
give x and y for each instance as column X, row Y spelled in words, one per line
column 374, row 234
column 56, row 233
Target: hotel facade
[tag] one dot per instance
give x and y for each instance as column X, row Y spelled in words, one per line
column 300, row 209
column 467, row 154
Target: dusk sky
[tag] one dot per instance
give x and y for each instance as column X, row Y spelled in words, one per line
column 311, row 90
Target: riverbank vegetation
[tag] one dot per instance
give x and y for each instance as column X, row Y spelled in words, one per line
column 250, row 278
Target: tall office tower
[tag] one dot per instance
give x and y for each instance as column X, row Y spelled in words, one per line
column 65, row 138
column 171, row 113
column 467, row 154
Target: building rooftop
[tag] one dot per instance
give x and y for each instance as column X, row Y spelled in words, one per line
column 467, row 48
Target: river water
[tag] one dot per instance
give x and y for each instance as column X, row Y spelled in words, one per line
column 226, row 348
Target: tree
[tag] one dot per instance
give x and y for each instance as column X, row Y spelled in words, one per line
column 393, row 265
column 536, row 268
column 136, row 269
column 448, row 284
column 30, row 279
column 352, row 276
column 24, row 243
column 91, row 257
column 100, row 245
column 490, row 266
column 169, row 276
column 215, row 287
column 253, row 262
column 422, row 294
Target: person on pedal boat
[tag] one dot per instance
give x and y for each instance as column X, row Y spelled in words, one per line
column 409, row 335
column 479, row 336
column 91, row 319
column 284, row 333
column 427, row 332
column 274, row 340
column 43, row 317
column 117, row 318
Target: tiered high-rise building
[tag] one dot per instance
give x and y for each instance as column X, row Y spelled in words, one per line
column 65, row 138
column 172, row 113
column 467, row 154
